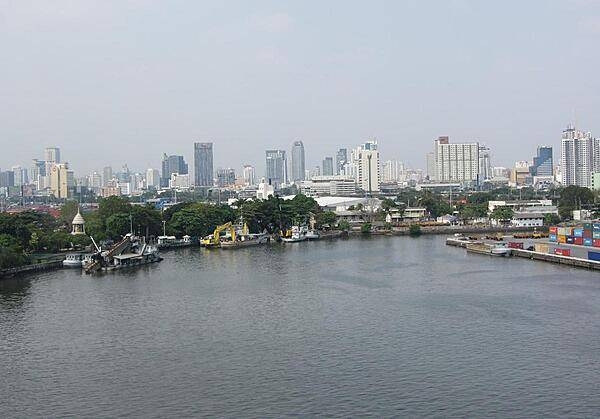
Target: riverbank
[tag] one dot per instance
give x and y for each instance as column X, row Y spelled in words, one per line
column 36, row 267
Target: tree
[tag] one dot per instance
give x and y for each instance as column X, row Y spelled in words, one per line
column 344, row 225
column 502, row 213
column 117, row 225
column 326, row 217
column 113, row 205
column 572, row 198
column 551, row 219
column 68, row 211
column 414, row 230
column 366, row 228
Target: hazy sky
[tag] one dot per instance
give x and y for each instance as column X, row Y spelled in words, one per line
column 124, row 81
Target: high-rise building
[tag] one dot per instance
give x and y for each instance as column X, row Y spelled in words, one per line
column 298, row 161
column 485, row 164
column 365, row 163
column 107, row 175
column 542, row 162
column 341, row 158
column 249, row 175
column 225, row 177
column 21, row 177
column 95, row 181
column 577, row 157
column 38, row 173
column 52, row 155
column 203, row 164
column 172, row 164
column 62, row 180
column 276, row 168
column 152, row 178
column 456, row 162
column 431, row 166
column 7, row 179
column 392, row 170
column 520, row 174
column 328, row 166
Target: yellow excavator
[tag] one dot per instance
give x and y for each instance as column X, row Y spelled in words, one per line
column 214, row 240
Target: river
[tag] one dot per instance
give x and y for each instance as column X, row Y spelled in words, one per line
column 388, row 326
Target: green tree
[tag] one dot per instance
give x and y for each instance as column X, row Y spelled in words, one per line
column 344, row 225
column 414, row 230
column 572, row 198
column 551, row 219
column 68, row 211
column 502, row 213
column 326, row 217
column 366, row 228
column 117, row 225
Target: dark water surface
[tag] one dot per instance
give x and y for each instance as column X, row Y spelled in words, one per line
column 380, row 327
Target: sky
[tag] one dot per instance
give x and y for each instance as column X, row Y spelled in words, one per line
column 114, row 82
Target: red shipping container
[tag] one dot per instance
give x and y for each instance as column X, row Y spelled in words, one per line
column 515, row 245
column 596, row 243
column 553, row 230
column 587, row 234
column 562, row 252
column 579, row 241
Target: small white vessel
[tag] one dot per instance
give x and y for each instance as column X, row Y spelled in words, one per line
column 312, row 235
column 298, row 234
column 488, row 249
column 76, row 260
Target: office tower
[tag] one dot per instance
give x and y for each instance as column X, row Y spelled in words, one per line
column 341, row 158
column 249, row 175
column 225, row 177
column 276, row 168
column 520, row 174
column 152, row 179
column 328, row 166
column 203, row 164
column 172, row 164
column 20, row 174
column 95, row 181
column 485, row 165
column 52, row 155
column 61, row 180
column 366, row 166
column 577, row 157
column 542, row 162
column 38, row 173
column 107, row 175
column 7, row 179
column 298, row 161
column 456, row 162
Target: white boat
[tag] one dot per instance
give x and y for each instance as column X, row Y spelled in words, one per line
column 76, row 260
column 244, row 240
column 312, row 235
column 298, row 234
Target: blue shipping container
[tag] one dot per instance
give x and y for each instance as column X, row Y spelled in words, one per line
column 596, row 226
column 553, row 238
column 596, row 234
column 570, row 239
column 588, row 241
column 594, row 256
column 578, row 232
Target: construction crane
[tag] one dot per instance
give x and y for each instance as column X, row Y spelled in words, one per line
column 214, row 240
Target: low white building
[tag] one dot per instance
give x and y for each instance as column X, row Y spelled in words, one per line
column 265, row 189
column 527, row 219
column 179, row 181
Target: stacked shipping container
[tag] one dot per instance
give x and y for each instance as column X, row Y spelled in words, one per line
column 586, row 235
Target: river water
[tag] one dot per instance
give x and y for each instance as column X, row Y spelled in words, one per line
column 362, row 327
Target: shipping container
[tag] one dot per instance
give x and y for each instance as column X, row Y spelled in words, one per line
column 596, row 235
column 562, row 231
column 541, row 247
column 562, row 239
column 588, row 241
column 578, row 232
column 587, row 226
column 594, row 256
column 596, row 226
column 553, row 229
column 579, row 241
column 553, row 237
column 587, row 233
column 596, row 242
column 570, row 240
column 515, row 245
column 562, row 252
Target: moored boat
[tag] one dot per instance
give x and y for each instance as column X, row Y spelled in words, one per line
column 76, row 260
column 488, row 249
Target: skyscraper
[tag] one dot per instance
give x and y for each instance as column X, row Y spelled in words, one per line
column 249, row 175
column 226, row 177
column 366, row 166
column 52, row 155
column 107, row 175
column 152, row 178
column 577, row 157
column 542, row 163
column 298, row 161
column 328, row 166
column 203, row 164
column 341, row 158
column 456, row 162
column 276, row 167
column 485, row 164
column 172, row 164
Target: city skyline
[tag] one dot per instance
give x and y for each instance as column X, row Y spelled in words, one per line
column 279, row 72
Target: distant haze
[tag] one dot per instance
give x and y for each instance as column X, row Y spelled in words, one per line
column 114, row 82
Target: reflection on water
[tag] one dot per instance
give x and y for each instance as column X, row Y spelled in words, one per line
column 380, row 327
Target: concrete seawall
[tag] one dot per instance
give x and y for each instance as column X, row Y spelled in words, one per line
column 38, row 267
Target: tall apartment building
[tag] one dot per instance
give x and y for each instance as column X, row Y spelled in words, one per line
column 62, row 180
column 152, row 178
column 203, row 164
column 249, row 175
column 226, row 177
column 276, row 168
column 392, row 171
column 485, row 164
column 456, row 162
column 365, row 164
column 577, row 158
column 298, row 161
column 341, row 158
